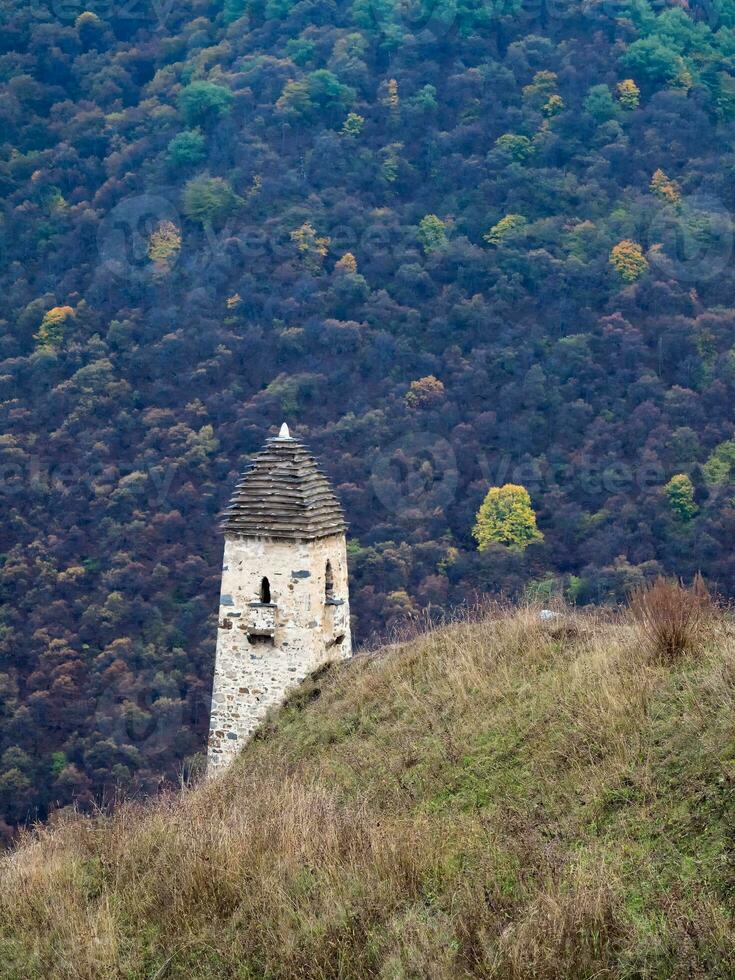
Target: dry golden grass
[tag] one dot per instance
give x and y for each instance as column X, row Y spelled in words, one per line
column 672, row 618
column 503, row 798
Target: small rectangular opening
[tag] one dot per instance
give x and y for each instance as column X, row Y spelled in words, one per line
column 261, row 639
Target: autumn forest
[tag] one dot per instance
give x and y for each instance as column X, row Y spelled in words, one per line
column 477, row 253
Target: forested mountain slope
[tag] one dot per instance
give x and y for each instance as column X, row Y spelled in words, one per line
column 454, row 246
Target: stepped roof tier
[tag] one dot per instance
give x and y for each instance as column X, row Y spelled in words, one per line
column 283, row 494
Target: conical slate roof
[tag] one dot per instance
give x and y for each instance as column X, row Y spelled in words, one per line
column 283, row 494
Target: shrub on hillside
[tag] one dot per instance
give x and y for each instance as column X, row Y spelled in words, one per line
column 204, row 101
column 187, row 148
column 671, row 617
column 209, row 200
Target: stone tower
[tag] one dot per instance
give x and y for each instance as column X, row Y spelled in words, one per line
column 284, row 608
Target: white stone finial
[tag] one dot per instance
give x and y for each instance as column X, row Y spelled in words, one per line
column 284, row 433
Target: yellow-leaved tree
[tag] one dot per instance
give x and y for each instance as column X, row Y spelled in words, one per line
column 664, row 187
column 425, row 392
column 628, row 260
column 511, row 226
column 506, row 517
column 353, row 124
column 348, row 264
column 311, row 247
column 629, row 94
column 52, row 332
column 164, row 246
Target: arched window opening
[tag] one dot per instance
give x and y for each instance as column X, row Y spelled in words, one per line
column 328, row 582
column 265, row 590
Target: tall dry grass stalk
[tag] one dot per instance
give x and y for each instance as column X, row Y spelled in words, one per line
column 672, row 617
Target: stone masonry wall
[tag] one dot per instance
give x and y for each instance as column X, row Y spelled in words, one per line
column 263, row 650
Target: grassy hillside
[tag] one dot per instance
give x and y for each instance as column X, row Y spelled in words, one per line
column 507, row 798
